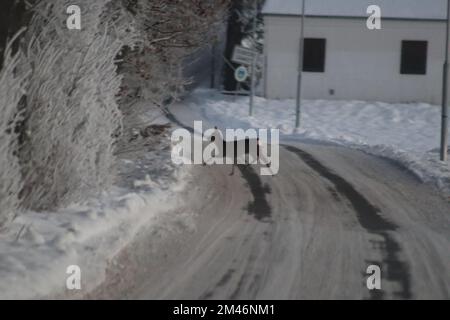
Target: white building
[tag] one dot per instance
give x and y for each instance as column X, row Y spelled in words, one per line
column 343, row 59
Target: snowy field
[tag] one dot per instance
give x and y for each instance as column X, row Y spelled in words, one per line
column 406, row 133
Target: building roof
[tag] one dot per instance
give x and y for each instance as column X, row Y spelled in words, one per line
column 390, row 9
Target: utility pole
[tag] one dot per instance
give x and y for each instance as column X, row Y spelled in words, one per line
column 213, row 65
column 444, row 131
column 300, row 68
column 255, row 54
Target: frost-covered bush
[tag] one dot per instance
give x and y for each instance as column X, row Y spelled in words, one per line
column 60, row 118
column 12, row 89
column 72, row 116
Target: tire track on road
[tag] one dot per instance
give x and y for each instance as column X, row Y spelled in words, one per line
column 370, row 219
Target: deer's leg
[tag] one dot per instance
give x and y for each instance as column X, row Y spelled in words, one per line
column 232, row 170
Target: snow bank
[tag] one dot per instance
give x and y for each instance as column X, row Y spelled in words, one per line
column 38, row 247
column 406, row 133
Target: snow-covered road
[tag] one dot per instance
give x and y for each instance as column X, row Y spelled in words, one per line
column 309, row 232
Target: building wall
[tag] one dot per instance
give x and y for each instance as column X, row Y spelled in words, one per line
column 360, row 64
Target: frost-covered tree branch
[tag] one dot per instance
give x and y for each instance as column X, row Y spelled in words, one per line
column 71, row 114
column 12, row 88
column 61, row 93
column 173, row 30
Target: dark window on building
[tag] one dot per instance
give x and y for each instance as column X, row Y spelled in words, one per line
column 414, row 57
column 314, row 55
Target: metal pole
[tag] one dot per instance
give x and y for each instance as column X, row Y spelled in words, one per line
column 252, row 89
column 444, row 131
column 300, row 68
column 213, row 66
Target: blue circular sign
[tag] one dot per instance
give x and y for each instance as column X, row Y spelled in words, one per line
column 241, row 74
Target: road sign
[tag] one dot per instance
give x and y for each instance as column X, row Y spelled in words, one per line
column 243, row 55
column 241, row 74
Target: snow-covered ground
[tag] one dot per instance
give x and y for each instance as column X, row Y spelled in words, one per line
column 37, row 248
column 406, row 133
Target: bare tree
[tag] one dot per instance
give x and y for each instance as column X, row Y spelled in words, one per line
column 173, row 30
